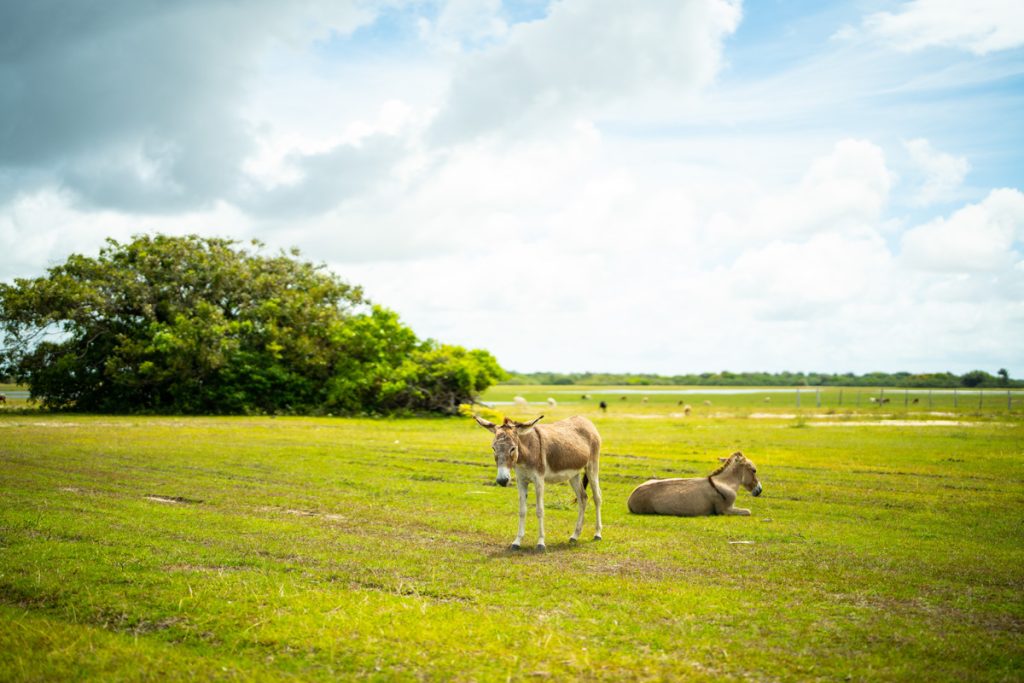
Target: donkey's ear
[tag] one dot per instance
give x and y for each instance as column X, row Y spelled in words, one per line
column 723, row 459
column 490, row 426
column 527, row 427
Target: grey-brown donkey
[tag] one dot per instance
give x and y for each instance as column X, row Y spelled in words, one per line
column 567, row 450
column 714, row 494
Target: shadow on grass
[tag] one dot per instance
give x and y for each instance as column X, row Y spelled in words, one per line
column 528, row 551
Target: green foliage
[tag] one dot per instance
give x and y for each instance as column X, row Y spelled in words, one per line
column 977, row 378
column 197, row 325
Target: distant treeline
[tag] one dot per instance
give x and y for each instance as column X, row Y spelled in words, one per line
column 975, row 378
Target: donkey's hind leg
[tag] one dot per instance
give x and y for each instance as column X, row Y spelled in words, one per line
column 581, row 499
column 595, row 487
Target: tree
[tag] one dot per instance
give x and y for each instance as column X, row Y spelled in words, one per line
column 975, row 378
column 1004, row 376
column 199, row 325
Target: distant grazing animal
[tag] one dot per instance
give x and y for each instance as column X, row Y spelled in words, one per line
column 714, row 494
column 585, row 397
column 707, row 403
column 548, row 454
column 622, row 398
column 915, row 401
column 644, row 399
column 604, row 406
column 552, row 402
column 687, row 409
column 3, row 399
column 767, row 399
column 520, row 402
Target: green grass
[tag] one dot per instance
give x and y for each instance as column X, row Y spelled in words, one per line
column 319, row 549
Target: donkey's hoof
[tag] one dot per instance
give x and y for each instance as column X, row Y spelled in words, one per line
column 514, row 547
column 597, row 537
column 541, row 548
column 573, row 541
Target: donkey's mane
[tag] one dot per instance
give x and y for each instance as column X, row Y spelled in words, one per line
column 725, row 465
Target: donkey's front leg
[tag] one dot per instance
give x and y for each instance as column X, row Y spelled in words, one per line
column 736, row 511
column 540, row 514
column 523, row 484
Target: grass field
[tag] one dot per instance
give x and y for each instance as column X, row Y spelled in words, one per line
column 887, row 545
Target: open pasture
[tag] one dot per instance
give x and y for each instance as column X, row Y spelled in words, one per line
column 320, row 548
column 745, row 401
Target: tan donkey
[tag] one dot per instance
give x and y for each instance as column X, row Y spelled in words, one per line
column 714, row 494
column 567, row 450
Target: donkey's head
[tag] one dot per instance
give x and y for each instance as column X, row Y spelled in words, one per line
column 741, row 467
column 506, row 444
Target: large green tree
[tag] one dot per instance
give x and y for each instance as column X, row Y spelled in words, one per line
column 203, row 325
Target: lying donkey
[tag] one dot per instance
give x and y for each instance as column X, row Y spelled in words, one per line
column 548, row 454
column 714, row 494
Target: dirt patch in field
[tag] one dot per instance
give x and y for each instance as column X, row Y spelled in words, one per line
column 898, row 423
column 172, row 500
column 831, row 420
column 206, row 569
column 304, row 513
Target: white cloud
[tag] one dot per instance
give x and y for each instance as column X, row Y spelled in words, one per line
column 42, row 228
column 136, row 105
column 607, row 194
column 585, row 55
column 978, row 26
column 465, row 23
column 943, row 173
column 980, row 237
column 844, row 190
column 812, row 280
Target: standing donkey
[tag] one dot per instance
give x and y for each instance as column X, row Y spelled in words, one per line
column 548, row 454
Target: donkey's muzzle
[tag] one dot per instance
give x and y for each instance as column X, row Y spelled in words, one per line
column 757, row 490
column 502, row 481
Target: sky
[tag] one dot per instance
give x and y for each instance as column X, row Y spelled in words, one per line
column 666, row 186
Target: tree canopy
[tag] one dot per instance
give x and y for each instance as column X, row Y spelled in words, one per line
column 203, row 325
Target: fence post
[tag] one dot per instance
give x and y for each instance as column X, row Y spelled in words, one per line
column 954, row 398
column 929, row 399
column 797, row 398
column 841, row 395
column 817, row 397
column 905, row 397
column 981, row 393
column 1009, row 400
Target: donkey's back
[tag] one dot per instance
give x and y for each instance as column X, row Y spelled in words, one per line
column 680, row 497
column 570, row 444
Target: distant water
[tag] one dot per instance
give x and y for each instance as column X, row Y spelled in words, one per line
column 654, row 391
column 680, row 392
